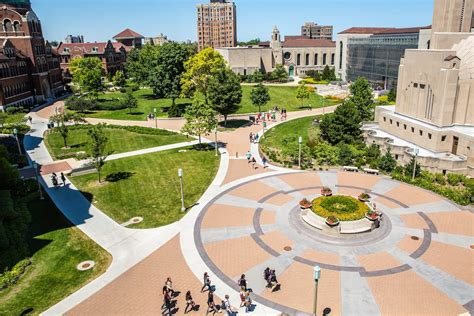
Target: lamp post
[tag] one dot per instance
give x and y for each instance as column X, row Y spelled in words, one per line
column 300, row 141
column 215, row 139
column 180, row 175
column 154, row 115
column 324, row 104
column 416, row 151
column 35, row 165
column 264, row 126
column 15, row 132
column 317, row 276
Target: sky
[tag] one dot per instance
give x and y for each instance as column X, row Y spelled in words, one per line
column 100, row 20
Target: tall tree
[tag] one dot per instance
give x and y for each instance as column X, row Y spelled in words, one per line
column 62, row 120
column 279, row 73
column 225, row 92
column 302, row 93
column 130, row 101
column 199, row 70
column 259, row 96
column 363, row 99
column 119, row 79
column 87, row 75
column 200, row 119
column 341, row 126
column 98, row 144
column 387, row 162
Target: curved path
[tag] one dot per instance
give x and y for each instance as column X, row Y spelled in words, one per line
column 247, row 220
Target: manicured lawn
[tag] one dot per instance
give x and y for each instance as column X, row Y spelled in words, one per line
column 344, row 208
column 280, row 96
column 56, row 249
column 120, row 140
column 148, row 185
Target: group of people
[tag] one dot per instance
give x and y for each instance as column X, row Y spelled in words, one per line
column 55, row 181
column 271, row 115
column 169, row 299
column 253, row 138
column 150, row 116
column 251, row 159
column 270, row 276
column 245, row 299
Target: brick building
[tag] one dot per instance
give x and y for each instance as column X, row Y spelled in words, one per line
column 130, row 39
column 315, row 31
column 217, row 24
column 29, row 67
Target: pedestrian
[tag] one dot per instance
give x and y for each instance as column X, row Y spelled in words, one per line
column 226, row 305
column 207, row 282
column 266, row 275
column 242, row 297
column 248, row 302
column 248, row 155
column 253, row 161
column 256, row 138
column 54, row 179
column 169, row 286
column 63, row 179
column 251, row 137
column 166, row 307
column 264, row 161
column 273, row 281
column 189, row 302
column 242, row 282
column 211, row 306
column 30, row 119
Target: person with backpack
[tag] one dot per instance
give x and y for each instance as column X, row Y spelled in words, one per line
column 226, row 306
column 242, row 282
column 266, row 275
column 211, row 306
column 248, row 302
column 264, row 161
column 273, row 281
column 207, row 282
column 189, row 302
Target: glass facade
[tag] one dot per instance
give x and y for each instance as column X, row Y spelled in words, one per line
column 377, row 58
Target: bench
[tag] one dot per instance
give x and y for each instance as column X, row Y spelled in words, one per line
column 355, row 227
column 371, row 171
column 350, row 168
column 313, row 220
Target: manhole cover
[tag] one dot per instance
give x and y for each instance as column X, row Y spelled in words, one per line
column 472, row 246
column 85, row 265
column 287, row 248
column 415, row 238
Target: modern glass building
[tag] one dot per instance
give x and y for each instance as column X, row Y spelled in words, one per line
column 377, row 57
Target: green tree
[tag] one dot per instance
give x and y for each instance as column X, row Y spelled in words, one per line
column 199, row 70
column 302, row 93
column 363, row 99
column 98, row 144
column 167, row 69
column 259, row 96
column 341, row 126
column 257, row 76
column 62, row 120
column 279, row 73
column 387, row 162
column 372, row 155
column 325, row 154
column 249, row 43
column 392, row 95
column 345, row 157
column 130, row 101
column 326, row 73
column 225, row 92
column 200, row 119
column 409, row 168
column 80, row 104
column 9, row 176
column 316, row 75
column 87, row 75
column 119, row 79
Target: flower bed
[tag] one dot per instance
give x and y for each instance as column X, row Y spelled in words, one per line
column 344, row 208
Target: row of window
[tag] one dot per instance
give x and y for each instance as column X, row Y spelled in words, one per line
column 421, row 85
column 307, row 57
column 16, row 89
column 7, row 71
column 8, row 26
column 405, row 127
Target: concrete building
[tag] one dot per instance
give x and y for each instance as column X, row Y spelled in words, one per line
column 315, row 31
column 297, row 53
column 434, row 114
column 157, row 41
column 130, row 39
column 29, row 67
column 70, row 39
column 217, row 24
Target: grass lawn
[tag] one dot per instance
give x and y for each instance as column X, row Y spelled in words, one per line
column 56, row 249
column 120, row 140
column 280, row 95
column 148, row 185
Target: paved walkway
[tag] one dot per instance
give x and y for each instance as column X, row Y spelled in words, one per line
column 248, row 220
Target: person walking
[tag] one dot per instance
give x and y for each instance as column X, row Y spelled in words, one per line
column 248, row 302
column 266, row 275
column 189, row 302
column 251, row 137
column 253, row 161
column 207, row 282
column 169, row 286
column 248, row 155
column 63, row 179
column 242, row 282
column 273, row 281
column 242, row 297
column 211, row 306
column 264, row 161
column 256, row 138
column 54, row 179
column 30, row 119
column 227, row 306
column 166, row 307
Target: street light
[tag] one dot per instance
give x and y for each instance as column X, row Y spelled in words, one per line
column 264, row 126
column 15, row 132
column 35, row 165
column 156, row 123
column 180, row 175
column 215, row 135
column 416, row 151
column 317, row 276
column 300, row 141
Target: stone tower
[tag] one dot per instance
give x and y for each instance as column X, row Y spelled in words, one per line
column 275, row 44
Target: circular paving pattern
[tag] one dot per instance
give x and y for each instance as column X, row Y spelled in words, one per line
column 256, row 225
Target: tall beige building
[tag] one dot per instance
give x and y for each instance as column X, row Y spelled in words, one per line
column 315, row 31
column 217, row 24
column 434, row 114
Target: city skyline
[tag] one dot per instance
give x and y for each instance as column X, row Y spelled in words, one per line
column 147, row 18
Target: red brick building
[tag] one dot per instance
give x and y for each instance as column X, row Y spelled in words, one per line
column 129, row 39
column 29, row 67
column 112, row 55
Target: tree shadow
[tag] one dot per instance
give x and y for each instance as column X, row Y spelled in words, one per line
column 78, row 145
column 118, row 176
column 136, row 113
column 234, row 124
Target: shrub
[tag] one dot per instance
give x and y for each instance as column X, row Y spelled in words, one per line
column 9, row 278
column 455, row 179
column 439, row 178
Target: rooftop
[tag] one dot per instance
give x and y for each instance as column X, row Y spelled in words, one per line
column 307, row 42
column 127, row 34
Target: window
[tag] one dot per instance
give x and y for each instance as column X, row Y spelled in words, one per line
column 307, row 59
column 298, row 59
column 7, row 26
column 404, row 126
column 324, row 58
column 95, row 49
column 398, row 124
column 396, row 157
column 422, row 86
column 421, row 132
column 333, row 57
column 315, row 59
column 443, row 138
column 391, row 121
column 429, row 135
column 412, row 129
column 415, row 85
column 340, row 54
column 384, row 119
column 16, row 26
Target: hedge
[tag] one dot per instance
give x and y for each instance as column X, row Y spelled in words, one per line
column 9, row 278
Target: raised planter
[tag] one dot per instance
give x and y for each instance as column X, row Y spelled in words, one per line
column 332, row 221
column 326, row 191
column 364, row 197
column 305, row 204
column 372, row 216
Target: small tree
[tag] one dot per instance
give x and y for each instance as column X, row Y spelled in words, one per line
column 392, row 95
column 279, row 73
column 409, row 168
column 87, row 74
column 200, row 119
column 302, row 93
column 119, row 79
column 80, row 105
column 225, row 93
column 259, row 96
column 387, row 162
column 326, row 73
column 98, row 144
column 346, row 157
column 130, row 101
column 363, row 99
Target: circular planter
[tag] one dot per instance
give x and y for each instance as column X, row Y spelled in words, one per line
column 305, row 207
column 326, row 193
column 332, row 224
column 373, row 217
column 364, row 200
